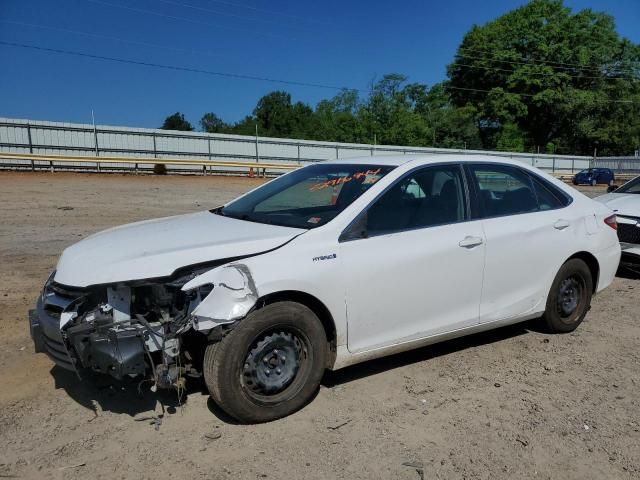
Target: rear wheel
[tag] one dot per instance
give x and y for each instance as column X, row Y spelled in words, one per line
column 270, row 365
column 570, row 297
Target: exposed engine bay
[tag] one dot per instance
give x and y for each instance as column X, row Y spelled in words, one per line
column 157, row 328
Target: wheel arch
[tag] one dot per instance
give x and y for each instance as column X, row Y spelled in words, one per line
column 316, row 306
column 592, row 263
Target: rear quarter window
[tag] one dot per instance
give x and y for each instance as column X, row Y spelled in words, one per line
column 549, row 196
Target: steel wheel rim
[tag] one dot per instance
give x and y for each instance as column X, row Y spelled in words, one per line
column 570, row 298
column 275, row 362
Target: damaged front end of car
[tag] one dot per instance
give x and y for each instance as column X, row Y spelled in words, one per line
column 155, row 328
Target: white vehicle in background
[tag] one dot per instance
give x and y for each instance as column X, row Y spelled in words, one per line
column 330, row 265
column 625, row 202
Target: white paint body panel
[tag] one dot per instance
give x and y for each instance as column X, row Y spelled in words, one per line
column 411, row 284
column 385, row 294
column 156, row 248
column 622, row 203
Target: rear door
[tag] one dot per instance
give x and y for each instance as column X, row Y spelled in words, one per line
column 412, row 262
column 529, row 234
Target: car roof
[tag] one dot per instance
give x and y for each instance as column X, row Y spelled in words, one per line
column 424, row 159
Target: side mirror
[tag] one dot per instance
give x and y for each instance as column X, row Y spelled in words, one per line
column 357, row 229
column 612, row 188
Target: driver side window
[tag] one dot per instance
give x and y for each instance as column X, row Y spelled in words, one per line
column 424, row 198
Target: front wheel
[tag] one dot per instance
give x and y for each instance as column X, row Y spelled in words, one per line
column 570, row 297
column 270, row 365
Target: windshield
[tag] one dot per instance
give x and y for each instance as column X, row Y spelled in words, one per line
column 589, row 170
column 632, row 186
column 308, row 197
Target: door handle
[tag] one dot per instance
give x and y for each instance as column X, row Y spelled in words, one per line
column 561, row 224
column 470, row 242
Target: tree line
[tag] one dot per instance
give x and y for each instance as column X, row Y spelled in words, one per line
column 539, row 78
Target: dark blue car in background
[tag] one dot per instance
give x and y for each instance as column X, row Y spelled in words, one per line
column 593, row 176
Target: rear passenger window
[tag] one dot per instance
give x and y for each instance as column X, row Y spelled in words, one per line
column 504, row 190
column 547, row 199
column 424, row 198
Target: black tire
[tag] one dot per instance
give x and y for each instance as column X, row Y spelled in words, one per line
column 240, row 370
column 574, row 181
column 565, row 311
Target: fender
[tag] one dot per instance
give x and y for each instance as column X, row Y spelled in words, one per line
column 233, row 296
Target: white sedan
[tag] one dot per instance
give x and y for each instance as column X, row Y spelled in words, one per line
column 330, row 265
column 625, row 202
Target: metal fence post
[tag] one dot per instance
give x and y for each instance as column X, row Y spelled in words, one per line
column 553, row 167
column 257, row 154
column 95, row 139
column 209, row 147
column 337, row 152
column 573, row 163
column 155, row 151
column 298, row 153
column 33, row 164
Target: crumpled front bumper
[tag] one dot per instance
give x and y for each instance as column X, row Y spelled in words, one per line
column 115, row 353
column 47, row 338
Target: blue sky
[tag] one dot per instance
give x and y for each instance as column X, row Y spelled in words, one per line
column 332, row 42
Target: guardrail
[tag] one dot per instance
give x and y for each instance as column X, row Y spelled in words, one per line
column 34, row 162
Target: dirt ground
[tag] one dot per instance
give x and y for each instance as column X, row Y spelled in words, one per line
column 512, row 403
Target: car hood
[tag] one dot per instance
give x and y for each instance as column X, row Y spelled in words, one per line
column 622, row 203
column 157, row 248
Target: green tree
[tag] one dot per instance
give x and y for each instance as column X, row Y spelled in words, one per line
column 510, row 138
column 336, row 119
column 450, row 126
column 559, row 77
column 246, row 126
column 211, row 123
column 390, row 113
column 276, row 116
column 176, row 122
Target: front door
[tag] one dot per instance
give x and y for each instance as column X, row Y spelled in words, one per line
column 413, row 263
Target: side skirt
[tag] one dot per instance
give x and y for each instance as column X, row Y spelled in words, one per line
column 344, row 358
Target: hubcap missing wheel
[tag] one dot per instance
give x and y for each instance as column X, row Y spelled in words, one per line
column 272, row 363
column 569, row 296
